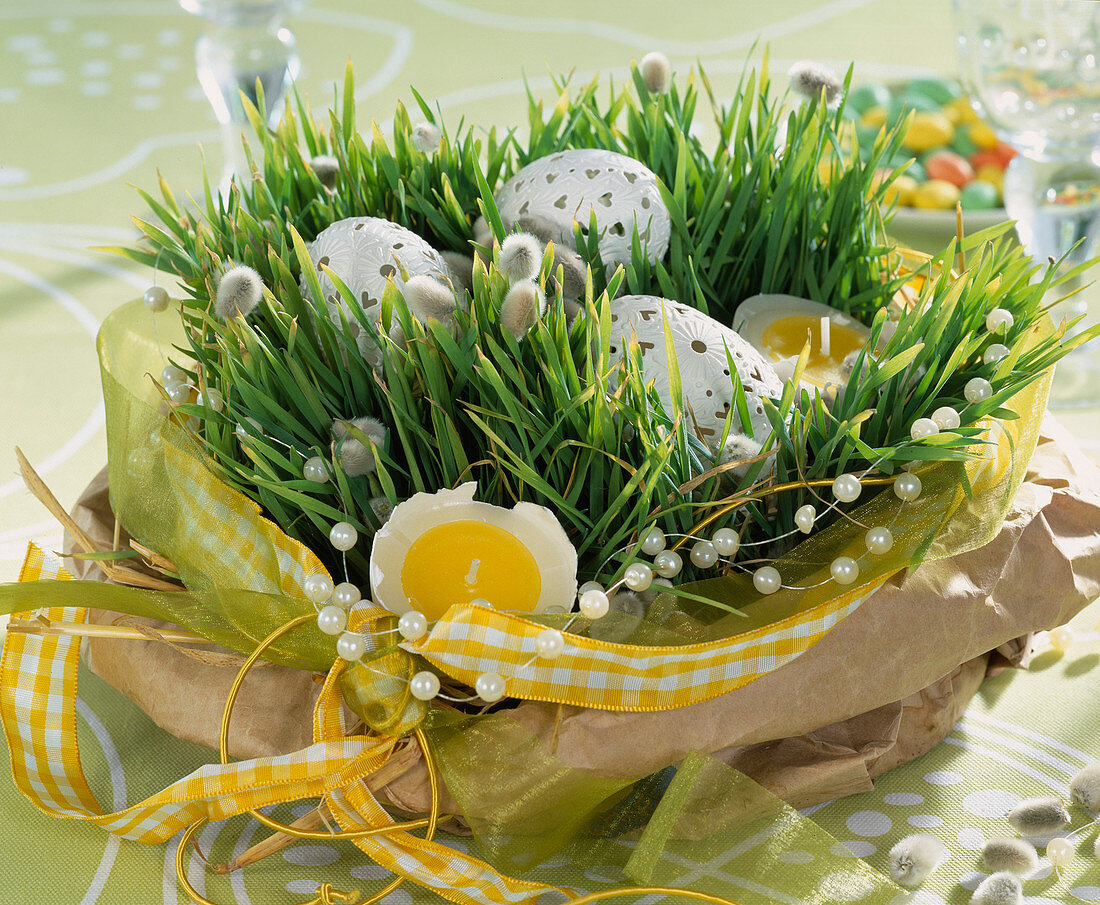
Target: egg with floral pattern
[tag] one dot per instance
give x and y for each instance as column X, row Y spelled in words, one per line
column 364, row 252
column 549, row 194
column 700, row 343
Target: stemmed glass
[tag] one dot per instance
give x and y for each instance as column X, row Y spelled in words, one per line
column 1032, row 68
column 243, row 41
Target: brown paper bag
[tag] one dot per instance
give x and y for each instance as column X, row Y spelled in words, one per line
column 883, row 687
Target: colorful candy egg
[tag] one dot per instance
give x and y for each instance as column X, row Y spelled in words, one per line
column 363, row 252
column 700, row 343
column 568, row 186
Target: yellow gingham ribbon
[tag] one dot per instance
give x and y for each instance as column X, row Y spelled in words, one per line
column 38, row 684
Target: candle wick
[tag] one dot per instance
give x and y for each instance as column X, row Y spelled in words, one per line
column 471, row 576
column 826, row 338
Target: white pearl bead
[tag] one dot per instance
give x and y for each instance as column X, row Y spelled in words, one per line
column 343, row 536
column 211, row 398
column 668, row 563
column 907, row 487
column 804, row 518
column 350, row 646
column 172, row 374
column 653, row 542
column 317, row 587
column 977, row 389
column 703, row 554
column 1062, row 637
column 315, row 470
column 922, row 428
column 489, row 687
column 844, row 570
column 995, row 353
column 346, row 594
column 946, row 418
column 1060, row 852
column 999, row 321
column 412, row 625
column 847, row 488
column 243, row 433
column 766, row 580
column 726, row 541
column 156, row 299
column 594, row 604
column 179, row 393
column 879, row 540
column 424, row 685
column 638, row 576
column 332, row 620
column 482, row 602
column 549, row 644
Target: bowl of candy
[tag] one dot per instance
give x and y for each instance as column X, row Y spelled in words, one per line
column 956, row 158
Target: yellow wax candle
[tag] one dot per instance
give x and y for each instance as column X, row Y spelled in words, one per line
column 786, row 336
column 444, row 549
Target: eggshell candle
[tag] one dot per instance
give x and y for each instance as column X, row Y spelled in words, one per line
column 442, row 549
column 779, row 325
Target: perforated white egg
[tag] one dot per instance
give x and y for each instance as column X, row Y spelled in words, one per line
column 361, row 251
column 700, row 343
column 569, row 185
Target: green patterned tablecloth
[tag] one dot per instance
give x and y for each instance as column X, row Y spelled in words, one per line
column 94, row 96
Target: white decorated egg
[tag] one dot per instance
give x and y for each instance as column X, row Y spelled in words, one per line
column 548, row 194
column 700, row 343
column 441, row 549
column 779, row 325
column 362, row 252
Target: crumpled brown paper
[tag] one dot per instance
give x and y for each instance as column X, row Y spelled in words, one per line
column 883, row 687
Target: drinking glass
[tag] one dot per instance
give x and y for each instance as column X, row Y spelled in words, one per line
column 243, row 41
column 1032, row 68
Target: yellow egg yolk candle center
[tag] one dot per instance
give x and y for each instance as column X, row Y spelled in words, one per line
column 463, row 560
column 785, row 337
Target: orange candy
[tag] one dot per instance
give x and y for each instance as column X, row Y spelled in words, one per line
column 950, row 167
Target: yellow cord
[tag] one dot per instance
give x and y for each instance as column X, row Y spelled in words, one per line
column 651, row 891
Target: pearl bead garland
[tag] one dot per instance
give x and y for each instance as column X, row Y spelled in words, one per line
column 343, row 536
column 804, row 518
column 995, row 353
column 668, row 563
column 314, row 470
column 172, row 374
column 923, row 428
column 638, row 576
column 549, row 644
column 179, row 393
column 703, row 554
column 946, row 418
column 318, row 588
column 211, row 398
column 350, row 646
column 589, row 586
column 726, row 542
column 977, row 389
column 332, row 620
column 489, row 687
column 346, row 595
column 424, row 685
column 847, row 488
column 907, row 487
column 999, row 321
column 594, row 604
column 654, row 542
column 767, row 580
column 412, row 625
column 1060, row 852
column 879, row 540
column 156, row 299
column 844, row 570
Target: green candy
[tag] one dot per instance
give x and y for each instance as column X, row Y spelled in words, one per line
column 962, row 144
column 866, row 96
column 901, row 105
column 979, row 195
column 916, row 171
column 938, row 91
